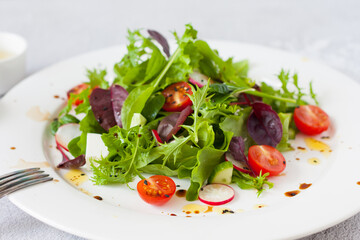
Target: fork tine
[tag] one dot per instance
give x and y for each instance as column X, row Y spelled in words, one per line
column 18, row 172
column 20, row 175
column 22, row 180
column 24, row 185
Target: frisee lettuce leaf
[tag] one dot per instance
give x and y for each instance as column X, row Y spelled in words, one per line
column 129, row 150
column 97, row 78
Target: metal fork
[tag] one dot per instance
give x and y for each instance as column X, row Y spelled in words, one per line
column 16, row 180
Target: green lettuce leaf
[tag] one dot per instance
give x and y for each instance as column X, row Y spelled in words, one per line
column 284, row 144
column 234, row 73
column 153, row 107
column 135, row 103
column 207, row 159
column 159, row 169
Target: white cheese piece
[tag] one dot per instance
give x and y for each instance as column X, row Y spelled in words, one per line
column 95, row 148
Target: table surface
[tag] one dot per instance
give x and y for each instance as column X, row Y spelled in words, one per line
column 327, row 31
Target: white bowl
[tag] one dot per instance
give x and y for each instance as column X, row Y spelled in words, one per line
column 12, row 60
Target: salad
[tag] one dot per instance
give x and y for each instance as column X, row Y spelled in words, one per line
column 190, row 114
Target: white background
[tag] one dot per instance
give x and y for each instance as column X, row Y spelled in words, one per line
column 327, row 31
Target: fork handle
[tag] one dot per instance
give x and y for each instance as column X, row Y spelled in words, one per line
column 24, row 185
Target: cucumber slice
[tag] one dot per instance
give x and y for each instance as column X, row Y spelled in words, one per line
column 222, row 173
column 137, row 120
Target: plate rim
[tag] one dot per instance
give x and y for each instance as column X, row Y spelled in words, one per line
column 16, row 198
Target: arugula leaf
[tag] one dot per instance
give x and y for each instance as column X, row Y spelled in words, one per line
column 198, row 98
column 245, row 181
column 284, row 100
column 173, row 149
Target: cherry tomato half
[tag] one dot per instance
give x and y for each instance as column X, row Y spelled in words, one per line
column 77, row 90
column 176, row 98
column 156, row 190
column 266, row 159
column 311, row 120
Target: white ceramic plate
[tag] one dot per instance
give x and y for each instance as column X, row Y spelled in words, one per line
column 27, row 109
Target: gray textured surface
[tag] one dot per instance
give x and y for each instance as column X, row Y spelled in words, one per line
column 327, row 31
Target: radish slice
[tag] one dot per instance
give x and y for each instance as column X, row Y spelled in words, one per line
column 198, row 79
column 65, row 154
column 241, row 166
column 156, row 136
column 216, row 194
column 66, row 133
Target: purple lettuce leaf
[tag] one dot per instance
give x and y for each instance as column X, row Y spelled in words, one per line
column 161, row 40
column 118, row 95
column 237, row 148
column 264, row 125
column 106, row 105
column 100, row 102
column 167, row 124
column 73, row 163
column 182, row 117
column 70, row 163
